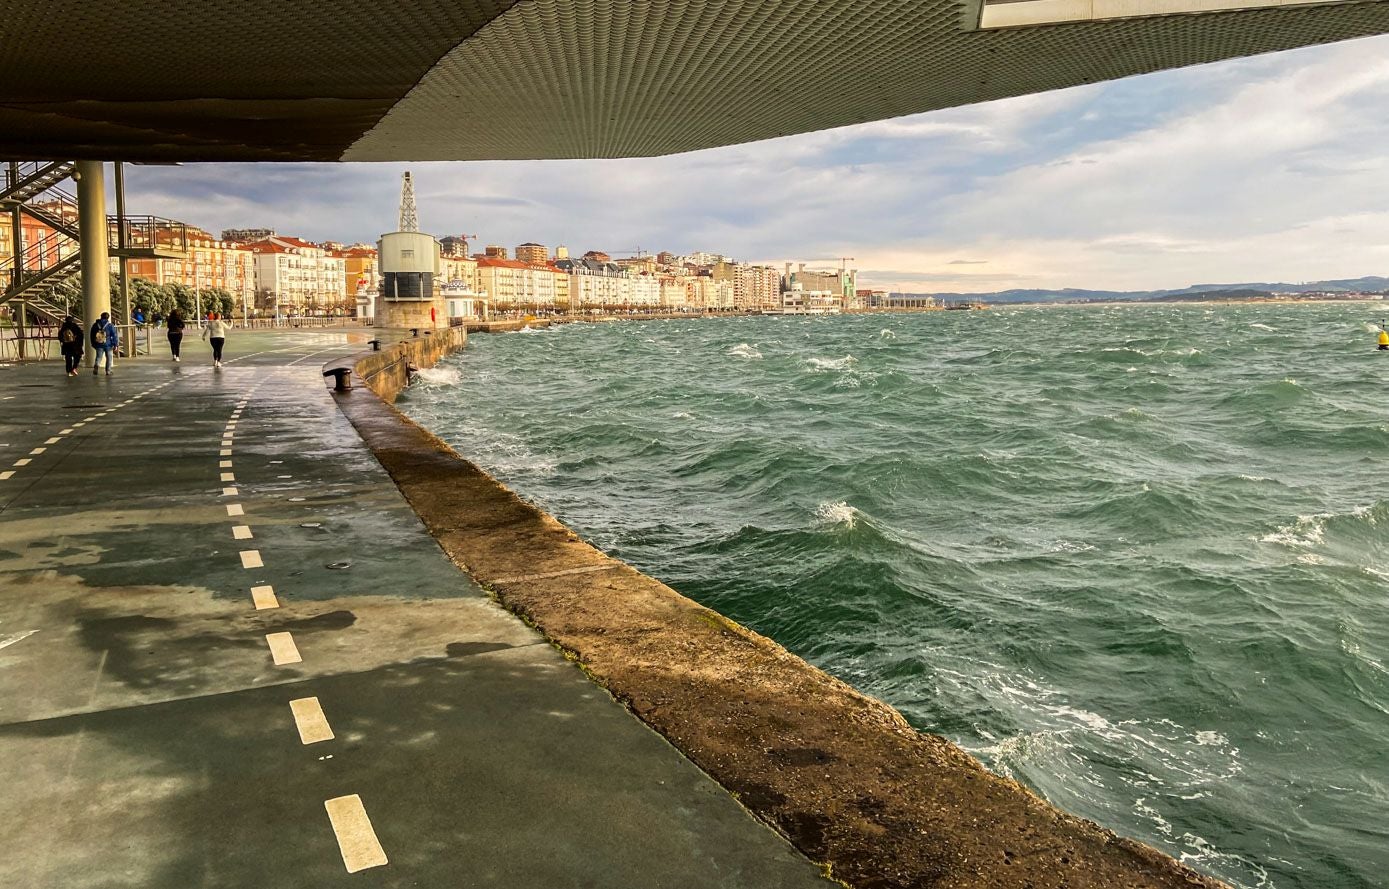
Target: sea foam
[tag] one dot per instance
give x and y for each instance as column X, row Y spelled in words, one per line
column 441, row 376
column 837, row 512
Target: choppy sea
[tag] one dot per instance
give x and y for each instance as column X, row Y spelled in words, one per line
column 1136, row 557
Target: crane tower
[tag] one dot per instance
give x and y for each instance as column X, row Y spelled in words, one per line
column 409, row 216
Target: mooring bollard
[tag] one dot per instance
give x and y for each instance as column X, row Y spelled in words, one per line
column 375, row 345
column 342, row 378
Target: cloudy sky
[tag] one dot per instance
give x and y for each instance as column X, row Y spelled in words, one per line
column 1267, row 169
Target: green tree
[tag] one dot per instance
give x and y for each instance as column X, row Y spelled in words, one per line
column 216, row 299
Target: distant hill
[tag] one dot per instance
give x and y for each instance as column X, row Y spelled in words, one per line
column 1251, row 290
column 1243, row 293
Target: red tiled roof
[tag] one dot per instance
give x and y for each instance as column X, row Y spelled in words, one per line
column 484, row 262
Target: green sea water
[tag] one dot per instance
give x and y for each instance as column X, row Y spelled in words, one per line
column 1136, row 557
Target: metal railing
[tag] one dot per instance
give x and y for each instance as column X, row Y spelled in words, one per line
column 148, row 233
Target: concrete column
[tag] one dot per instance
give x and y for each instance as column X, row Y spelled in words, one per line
column 96, row 258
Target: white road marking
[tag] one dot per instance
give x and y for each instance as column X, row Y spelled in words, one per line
column 224, row 464
column 229, row 492
column 264, row 597
column 282, row 649
column 225, row 452
column 356, row 839
column 54, row 440
column 8, row 473
column 78, row 425
column 309, row 719
column 228, row 476
column 25, row 462
column 235, row 509
column 7, row 641
column 65, row 431
column 250, row 558
column 36, row 451
column 241, row 532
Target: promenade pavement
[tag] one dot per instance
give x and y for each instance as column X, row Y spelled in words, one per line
column 231, row 656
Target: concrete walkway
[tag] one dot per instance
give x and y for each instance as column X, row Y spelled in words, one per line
column 231, row 656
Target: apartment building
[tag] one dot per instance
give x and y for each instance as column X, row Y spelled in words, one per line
column 297, row 276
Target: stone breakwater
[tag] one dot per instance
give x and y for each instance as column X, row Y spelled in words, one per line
column 842, row 775
column 387, row 372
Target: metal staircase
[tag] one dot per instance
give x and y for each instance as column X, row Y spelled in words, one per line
column 40, row 273
column 40, row 270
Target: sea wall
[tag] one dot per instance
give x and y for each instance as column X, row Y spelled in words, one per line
column 386, row 372
column 843, row 776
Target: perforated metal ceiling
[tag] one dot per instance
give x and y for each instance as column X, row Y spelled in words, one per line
column 475, row 79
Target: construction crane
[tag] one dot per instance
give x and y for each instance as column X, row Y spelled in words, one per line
column 466, row 239
column 842, row 260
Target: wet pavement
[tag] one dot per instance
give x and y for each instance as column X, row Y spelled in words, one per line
column 231, row 655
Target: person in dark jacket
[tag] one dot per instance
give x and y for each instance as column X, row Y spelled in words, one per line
column 70, row 341
column 176, row 326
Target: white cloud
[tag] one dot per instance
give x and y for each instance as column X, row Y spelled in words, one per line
column 1260, row 169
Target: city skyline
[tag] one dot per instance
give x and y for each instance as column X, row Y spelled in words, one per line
column 1256, row 169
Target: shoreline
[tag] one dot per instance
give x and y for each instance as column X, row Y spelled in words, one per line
column 842, row 775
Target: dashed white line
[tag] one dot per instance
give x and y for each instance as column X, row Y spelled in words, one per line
column 52, row 441
column 8, row 473
column 66, row 431
column 235, row 509
column 225, row 452
column 309, row 720
column 24, row 462
column 36, row 451
column 250, row 558
column 224, row 464
column 282, row 649
column 229, row 492
column 356, row 839
column 241, row 532
column 264, row 597
column 228, row 476
column 7, row 641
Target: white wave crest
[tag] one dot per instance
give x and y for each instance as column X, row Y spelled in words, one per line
column 744, row 350
column 441, row 376
column 1257, row 326
column 887, row 334
column 1070, row 546
column 1308, row 530
column 837, row 513
column 821, row 365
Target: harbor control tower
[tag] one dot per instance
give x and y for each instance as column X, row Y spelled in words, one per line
column 409, row 271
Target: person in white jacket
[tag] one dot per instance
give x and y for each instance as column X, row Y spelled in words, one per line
column 216, row 333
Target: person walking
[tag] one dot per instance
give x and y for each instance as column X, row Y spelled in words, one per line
column 70, row 341
column 216, row 333
column 176, row 326
column 104, row 339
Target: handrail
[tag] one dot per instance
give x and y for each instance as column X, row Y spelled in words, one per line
column 149, row 232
